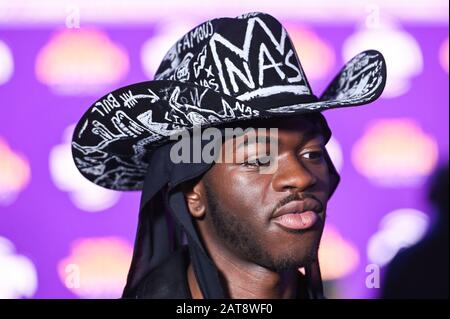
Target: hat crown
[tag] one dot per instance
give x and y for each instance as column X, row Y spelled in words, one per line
column 247, row 57
column 225, row 70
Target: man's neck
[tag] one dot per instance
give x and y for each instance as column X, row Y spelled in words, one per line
column 243, row 280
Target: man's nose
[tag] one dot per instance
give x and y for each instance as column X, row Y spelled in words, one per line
column 292, row 174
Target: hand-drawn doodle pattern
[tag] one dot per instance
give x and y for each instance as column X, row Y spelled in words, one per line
column 214, row 74
column 112, row 142
column 358, row 83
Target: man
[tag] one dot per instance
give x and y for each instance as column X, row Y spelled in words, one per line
column 238, row 228
column 260, row 228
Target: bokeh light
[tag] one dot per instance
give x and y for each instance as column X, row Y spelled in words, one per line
column 6, row 63
column 395, row 153
column 15, row 173
column 443, row 55
column 155, row 48
column 85, row 195
column 403, row 55
column 335, row 151
column 96, row 267
column 18, row 276
column 338, row 256
column 81, row 61
column 399, row 229
column 316, row 55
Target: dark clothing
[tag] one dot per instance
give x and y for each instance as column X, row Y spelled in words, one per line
column 169, row 280
column 421, row 271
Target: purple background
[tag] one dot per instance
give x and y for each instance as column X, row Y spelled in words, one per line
column 43, row 222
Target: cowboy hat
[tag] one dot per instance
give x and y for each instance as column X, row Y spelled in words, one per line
column 224, row 70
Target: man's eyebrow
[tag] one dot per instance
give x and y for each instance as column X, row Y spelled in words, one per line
column 267, row 139
column 309, row 134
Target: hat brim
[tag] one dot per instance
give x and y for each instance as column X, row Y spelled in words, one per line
column 360, row 81
column 113, row 140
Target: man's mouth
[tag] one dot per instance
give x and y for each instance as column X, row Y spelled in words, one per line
column 298, row 215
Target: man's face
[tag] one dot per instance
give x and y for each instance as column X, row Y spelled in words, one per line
column 240, row 202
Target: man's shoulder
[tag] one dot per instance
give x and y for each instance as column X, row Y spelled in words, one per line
column 168, row 280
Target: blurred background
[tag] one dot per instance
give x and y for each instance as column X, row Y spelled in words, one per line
column 62, row 237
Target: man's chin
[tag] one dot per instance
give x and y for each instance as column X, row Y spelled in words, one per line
column 291, row 261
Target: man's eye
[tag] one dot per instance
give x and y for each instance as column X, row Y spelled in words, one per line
column 314, row 155
column 257, row 162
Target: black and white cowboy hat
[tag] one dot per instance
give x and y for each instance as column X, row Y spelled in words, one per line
column 224, row 70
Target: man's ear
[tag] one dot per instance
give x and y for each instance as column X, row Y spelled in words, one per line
column 195, row 198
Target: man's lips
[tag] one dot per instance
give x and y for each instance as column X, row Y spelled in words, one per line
column 298, row 214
